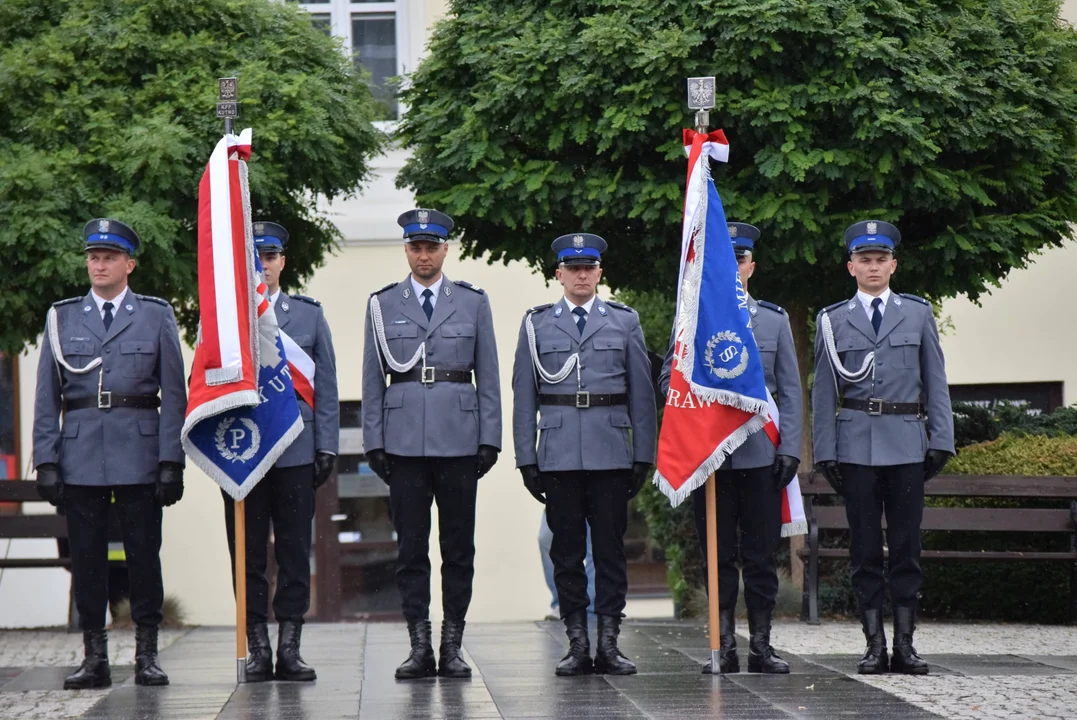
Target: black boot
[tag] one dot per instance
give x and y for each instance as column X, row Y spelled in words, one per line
column 905, row 658
column 420, row 663
column 728, row 662
column 94, row 671
column 259, row 653
column 609, row 660
column 290, row 665
column 875, row 660
column 578, row 659
column 451, row 664
column 761, row 656
column 147, row 671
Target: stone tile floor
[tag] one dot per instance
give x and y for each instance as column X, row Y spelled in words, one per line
column 978, row 671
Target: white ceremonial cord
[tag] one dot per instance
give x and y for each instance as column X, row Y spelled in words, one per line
column 53, row 332
column 379, row 334
column 867, row 368
column 561, row 374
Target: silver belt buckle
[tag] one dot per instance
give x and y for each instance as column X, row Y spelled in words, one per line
column 583, row 400
column 104, row 400
column 875, row 406
column 428, row 376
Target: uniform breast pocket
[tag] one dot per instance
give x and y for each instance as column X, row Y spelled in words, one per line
column 461, row 337
column 554, row 353
column 305, row 342
column 402, row 340
column 138, row 358
column 852, row 349
column 611, row 351
column 905, row 349
column 78, row 353
column 768, row 350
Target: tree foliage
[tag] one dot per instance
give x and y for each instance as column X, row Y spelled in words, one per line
column 954, row 119
column 107, row 109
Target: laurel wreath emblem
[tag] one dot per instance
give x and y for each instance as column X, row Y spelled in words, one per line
column 708, row 355
column 222, row 447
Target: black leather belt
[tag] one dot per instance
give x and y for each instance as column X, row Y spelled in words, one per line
column 875, row 406
column 107, row 400
column 429, row 376
column 583, row 400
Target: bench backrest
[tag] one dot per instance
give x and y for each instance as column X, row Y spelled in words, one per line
column 991, row 519
column 48, row 525
column 1063, row 488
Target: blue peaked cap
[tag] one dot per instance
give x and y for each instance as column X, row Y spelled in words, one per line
column 109, row 234
column 743, row 237
column 426, row 225
column 579, row 249
column 872, row 235
column 269, row 237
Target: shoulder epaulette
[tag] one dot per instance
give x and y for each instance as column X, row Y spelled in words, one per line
column 152, row 299
column 771, row 306
column 68, row 301
column 836, row 305
column 540, row 308
column 619, row 306
column 306, row 299
column 469, row 286
column 914, row 297
column 387, row 287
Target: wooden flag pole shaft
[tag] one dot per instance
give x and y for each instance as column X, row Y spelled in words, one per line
column 241, row 591
column 712, row 571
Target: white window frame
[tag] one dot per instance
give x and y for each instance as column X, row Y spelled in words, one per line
column 340, row 22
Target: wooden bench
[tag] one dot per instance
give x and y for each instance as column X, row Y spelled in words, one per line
column 20, row 527
column 1037, row 520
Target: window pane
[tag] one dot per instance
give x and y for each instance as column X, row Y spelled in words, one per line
column 322, row 21
column 374, row 44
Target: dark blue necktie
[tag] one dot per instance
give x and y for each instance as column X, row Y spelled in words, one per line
column 108, row 315
column 876, row 314
column 581, row 318
column 428, row 307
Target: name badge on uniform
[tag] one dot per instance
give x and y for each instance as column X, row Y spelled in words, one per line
column 400, row 322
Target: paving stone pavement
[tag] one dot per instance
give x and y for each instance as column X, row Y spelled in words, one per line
column 1036, row 677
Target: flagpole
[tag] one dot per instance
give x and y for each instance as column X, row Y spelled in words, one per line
column 228, row 109
column 701, row 98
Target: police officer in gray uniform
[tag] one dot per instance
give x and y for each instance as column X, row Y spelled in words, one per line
column 582, row 388
column 751, row 480
column 284, row 499
column 882, row 428
column 431, row 433
column 109, row 361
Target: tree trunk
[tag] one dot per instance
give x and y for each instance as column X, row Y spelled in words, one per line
column 798, row 322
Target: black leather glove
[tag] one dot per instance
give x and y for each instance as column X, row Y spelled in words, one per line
column 379, row 463
column 934, row 462
column 323, row 467
column 487, row 458
column 785, row 469
column 639, row 476
column 832, row 473
column 50, row 484
column 169, row 483
column 533, row 482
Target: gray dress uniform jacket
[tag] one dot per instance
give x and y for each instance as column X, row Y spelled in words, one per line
column 613, row 359
column 303, row 319
column 443, row 419
column 141, row 353
column 909, row 368
column 774, row 338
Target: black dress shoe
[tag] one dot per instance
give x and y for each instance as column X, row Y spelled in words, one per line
column 761, row 656
column 451, row 663
column 420, row 663
column 578, row 659
column 905, row 659
column 609, row 660
column 875, row 660
column 94, row 671
column 290, row 664
column 728, row 661
column 259, row 653
column 147, row 671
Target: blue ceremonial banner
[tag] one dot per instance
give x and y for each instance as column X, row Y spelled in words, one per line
column 238, row 446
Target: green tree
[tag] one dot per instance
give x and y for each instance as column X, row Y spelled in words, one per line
column 107, row 109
